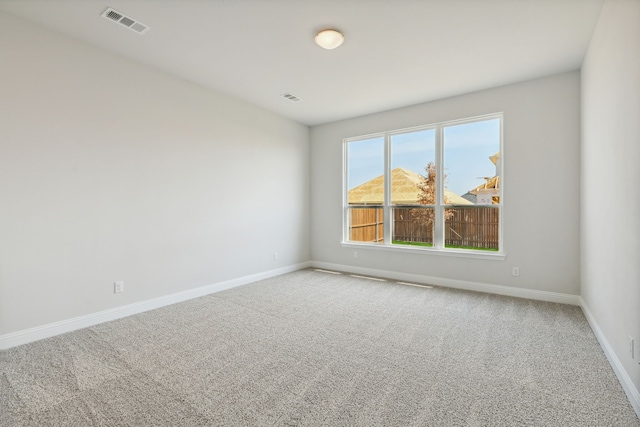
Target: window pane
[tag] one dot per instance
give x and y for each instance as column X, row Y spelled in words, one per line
column 472, row 227
column 472, row 163
column 413, row 156
column 366, row 225
column 365, row 177
column 413, row 226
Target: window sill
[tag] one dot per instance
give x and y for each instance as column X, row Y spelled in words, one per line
column 460, row 253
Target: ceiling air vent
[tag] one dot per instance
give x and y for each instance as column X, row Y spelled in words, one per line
column 130, row 23
column 291, row 97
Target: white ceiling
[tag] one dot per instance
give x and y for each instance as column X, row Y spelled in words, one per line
column 396, row 52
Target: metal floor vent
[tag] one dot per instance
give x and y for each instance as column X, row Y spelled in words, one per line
column 291, row 97
column 367, row 277
column 327, row 271
column 417, row 285
column 130, row 23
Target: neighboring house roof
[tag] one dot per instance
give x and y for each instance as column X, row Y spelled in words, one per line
column 404, row 190
column 489, row 184
column 470, row 197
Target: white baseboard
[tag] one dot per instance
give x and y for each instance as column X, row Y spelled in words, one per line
column 618, row 368
column 452, row 283
column 15, row 339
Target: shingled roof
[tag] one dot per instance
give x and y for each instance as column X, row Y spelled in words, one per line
column 404, row 190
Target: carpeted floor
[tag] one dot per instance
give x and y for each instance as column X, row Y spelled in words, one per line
column 312, row 348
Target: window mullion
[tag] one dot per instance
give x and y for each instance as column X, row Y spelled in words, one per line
column 438, row 238
column 388, row 220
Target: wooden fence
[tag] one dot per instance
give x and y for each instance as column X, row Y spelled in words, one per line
column 367, row 225
column 407, row 229
column 467, row 226
column 473, row 226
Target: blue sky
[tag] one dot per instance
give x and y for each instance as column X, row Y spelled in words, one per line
column 467, row 148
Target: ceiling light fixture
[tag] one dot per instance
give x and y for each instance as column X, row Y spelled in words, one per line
column 329, row 39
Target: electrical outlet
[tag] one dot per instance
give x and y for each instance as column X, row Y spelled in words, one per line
column 355, row 254
column 275, row 256
column 515, row 271
column 118, row 287
column 631, row 347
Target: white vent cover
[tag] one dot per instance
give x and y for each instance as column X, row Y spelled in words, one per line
column 130, row 23
column 291, row 97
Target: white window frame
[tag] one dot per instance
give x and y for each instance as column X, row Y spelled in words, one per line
column 438, row 240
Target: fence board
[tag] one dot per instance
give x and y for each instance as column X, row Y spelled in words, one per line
column 367, row 225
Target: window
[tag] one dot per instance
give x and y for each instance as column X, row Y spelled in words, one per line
column 436, row 187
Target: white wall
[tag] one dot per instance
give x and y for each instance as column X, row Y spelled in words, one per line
column 110, row 171
column 610, row 201
column 541, row 186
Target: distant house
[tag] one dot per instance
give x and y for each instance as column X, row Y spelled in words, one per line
column 489, row 192
column 404, row 190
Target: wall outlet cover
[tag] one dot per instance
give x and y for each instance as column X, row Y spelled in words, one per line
column 118, row 287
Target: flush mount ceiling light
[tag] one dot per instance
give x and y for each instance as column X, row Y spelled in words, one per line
column 329, row 39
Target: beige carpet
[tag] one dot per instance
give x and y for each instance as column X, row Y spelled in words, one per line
column 312, row 348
